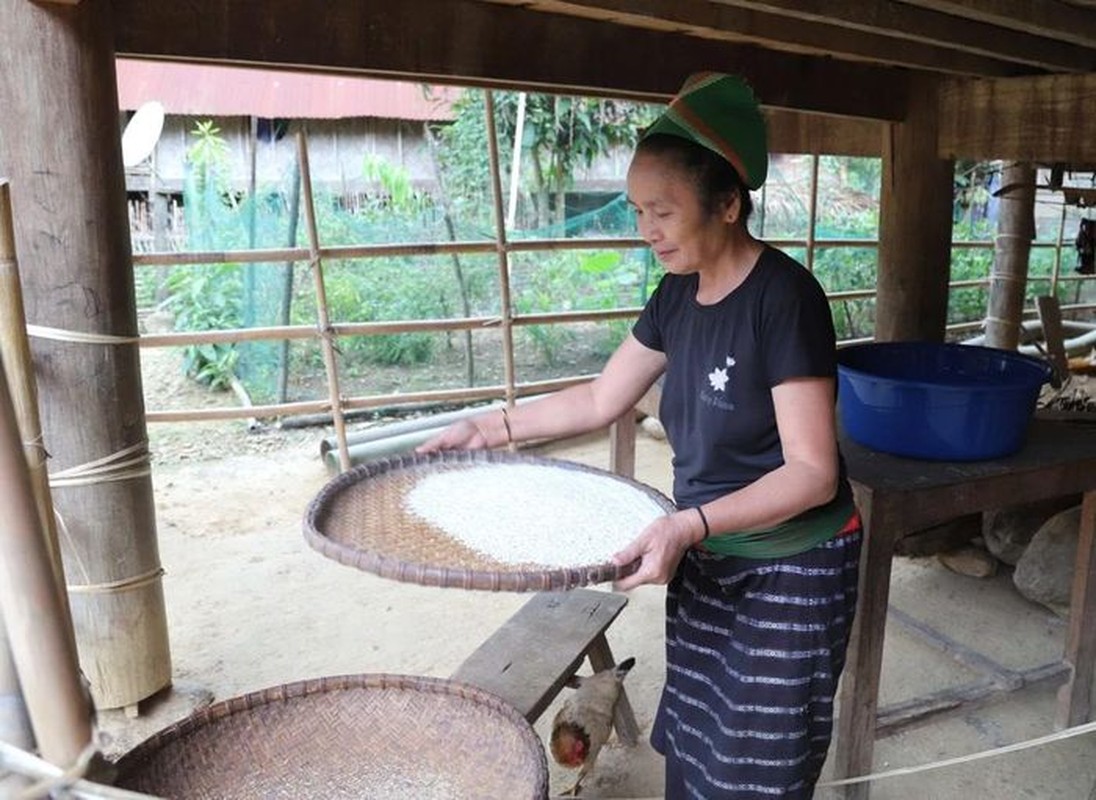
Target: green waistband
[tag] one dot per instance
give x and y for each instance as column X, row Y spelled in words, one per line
column 788, row 538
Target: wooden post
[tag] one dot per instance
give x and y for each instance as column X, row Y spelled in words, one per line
column 72, row 233
column 1011, row 248
column 914, row 225
column 33, row 614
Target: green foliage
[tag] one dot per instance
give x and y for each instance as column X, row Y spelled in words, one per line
column 968, row 303
column 378, row 290
column 206, row 191
column 845, row 269
column 577, row 281
column 560, row 134
column 207, row 298
column 398, row 197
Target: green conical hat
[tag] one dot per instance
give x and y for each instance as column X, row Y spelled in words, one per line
column 720, row 112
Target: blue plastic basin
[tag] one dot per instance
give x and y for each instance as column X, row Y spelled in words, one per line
column 941, row 402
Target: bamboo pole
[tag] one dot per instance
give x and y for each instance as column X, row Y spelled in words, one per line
column 345, row 252
column 316, row 263
column 14, row 722
column 19, row 371
column 386, row 327
column 1008, row 278
column 41, row 642
column 366, row 401
column 18, row 761
column 506, row 306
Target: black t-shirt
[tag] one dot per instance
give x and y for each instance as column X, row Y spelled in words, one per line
column 723, row 361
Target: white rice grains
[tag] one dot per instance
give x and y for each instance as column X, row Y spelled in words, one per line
column 534, row 514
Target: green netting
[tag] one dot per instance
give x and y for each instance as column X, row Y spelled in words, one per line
column 219, row 296
column 613, row 218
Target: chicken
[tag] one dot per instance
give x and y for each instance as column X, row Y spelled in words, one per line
column 582, row 725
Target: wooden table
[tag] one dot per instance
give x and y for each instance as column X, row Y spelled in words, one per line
column 898, row 496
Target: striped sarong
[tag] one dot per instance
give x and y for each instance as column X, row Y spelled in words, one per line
column 754, row 650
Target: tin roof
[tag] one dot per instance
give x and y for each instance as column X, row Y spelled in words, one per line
column 196, row 89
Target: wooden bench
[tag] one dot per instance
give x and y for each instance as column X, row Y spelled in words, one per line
column 529, row 660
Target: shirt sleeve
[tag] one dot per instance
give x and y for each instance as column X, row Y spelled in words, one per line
column 797, row 336
column 648, row 327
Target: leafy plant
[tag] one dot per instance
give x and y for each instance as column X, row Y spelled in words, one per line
column 207, row 298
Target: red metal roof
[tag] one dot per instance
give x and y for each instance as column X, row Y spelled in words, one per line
column 197, row 89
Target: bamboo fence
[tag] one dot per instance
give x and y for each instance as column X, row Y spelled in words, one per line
column 328, row 333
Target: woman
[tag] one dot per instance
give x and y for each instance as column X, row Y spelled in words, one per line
column 761, row 557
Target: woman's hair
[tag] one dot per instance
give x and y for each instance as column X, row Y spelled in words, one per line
column 715, row 179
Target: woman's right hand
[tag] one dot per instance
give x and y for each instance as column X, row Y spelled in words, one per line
column 461, row 435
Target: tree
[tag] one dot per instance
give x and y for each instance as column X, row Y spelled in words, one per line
column 559, row 135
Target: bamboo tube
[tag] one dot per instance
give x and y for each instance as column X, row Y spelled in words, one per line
column 19, row 371
column 411, row 425
column 321, row 302
column 500, row 244
column 41, row 644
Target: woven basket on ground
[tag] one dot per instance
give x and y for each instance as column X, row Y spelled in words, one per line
column 354, row 736
column 359, row 519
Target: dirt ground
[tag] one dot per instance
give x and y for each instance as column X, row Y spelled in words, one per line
column 251, row 606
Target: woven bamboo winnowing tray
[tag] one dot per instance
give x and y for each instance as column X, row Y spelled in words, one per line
column 358, row 519
column 395, row 737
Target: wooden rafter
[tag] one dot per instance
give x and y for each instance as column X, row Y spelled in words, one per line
column 485, row 44
column 1065, row 22
column 926, row 25
column 723, row 22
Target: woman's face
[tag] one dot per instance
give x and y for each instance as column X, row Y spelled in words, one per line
column 671, row 216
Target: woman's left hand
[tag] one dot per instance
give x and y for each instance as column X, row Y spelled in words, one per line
column 659, row 549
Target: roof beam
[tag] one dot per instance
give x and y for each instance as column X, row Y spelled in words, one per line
column 468, row 42
column 1042, row 119
column 1051, row 18
column 791, row 132
column 925, row 25
column 729, row 23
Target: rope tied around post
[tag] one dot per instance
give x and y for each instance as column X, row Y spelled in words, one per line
column 127, row 464
column 78, row 337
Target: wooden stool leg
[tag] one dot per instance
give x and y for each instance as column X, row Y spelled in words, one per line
column 624, row 719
